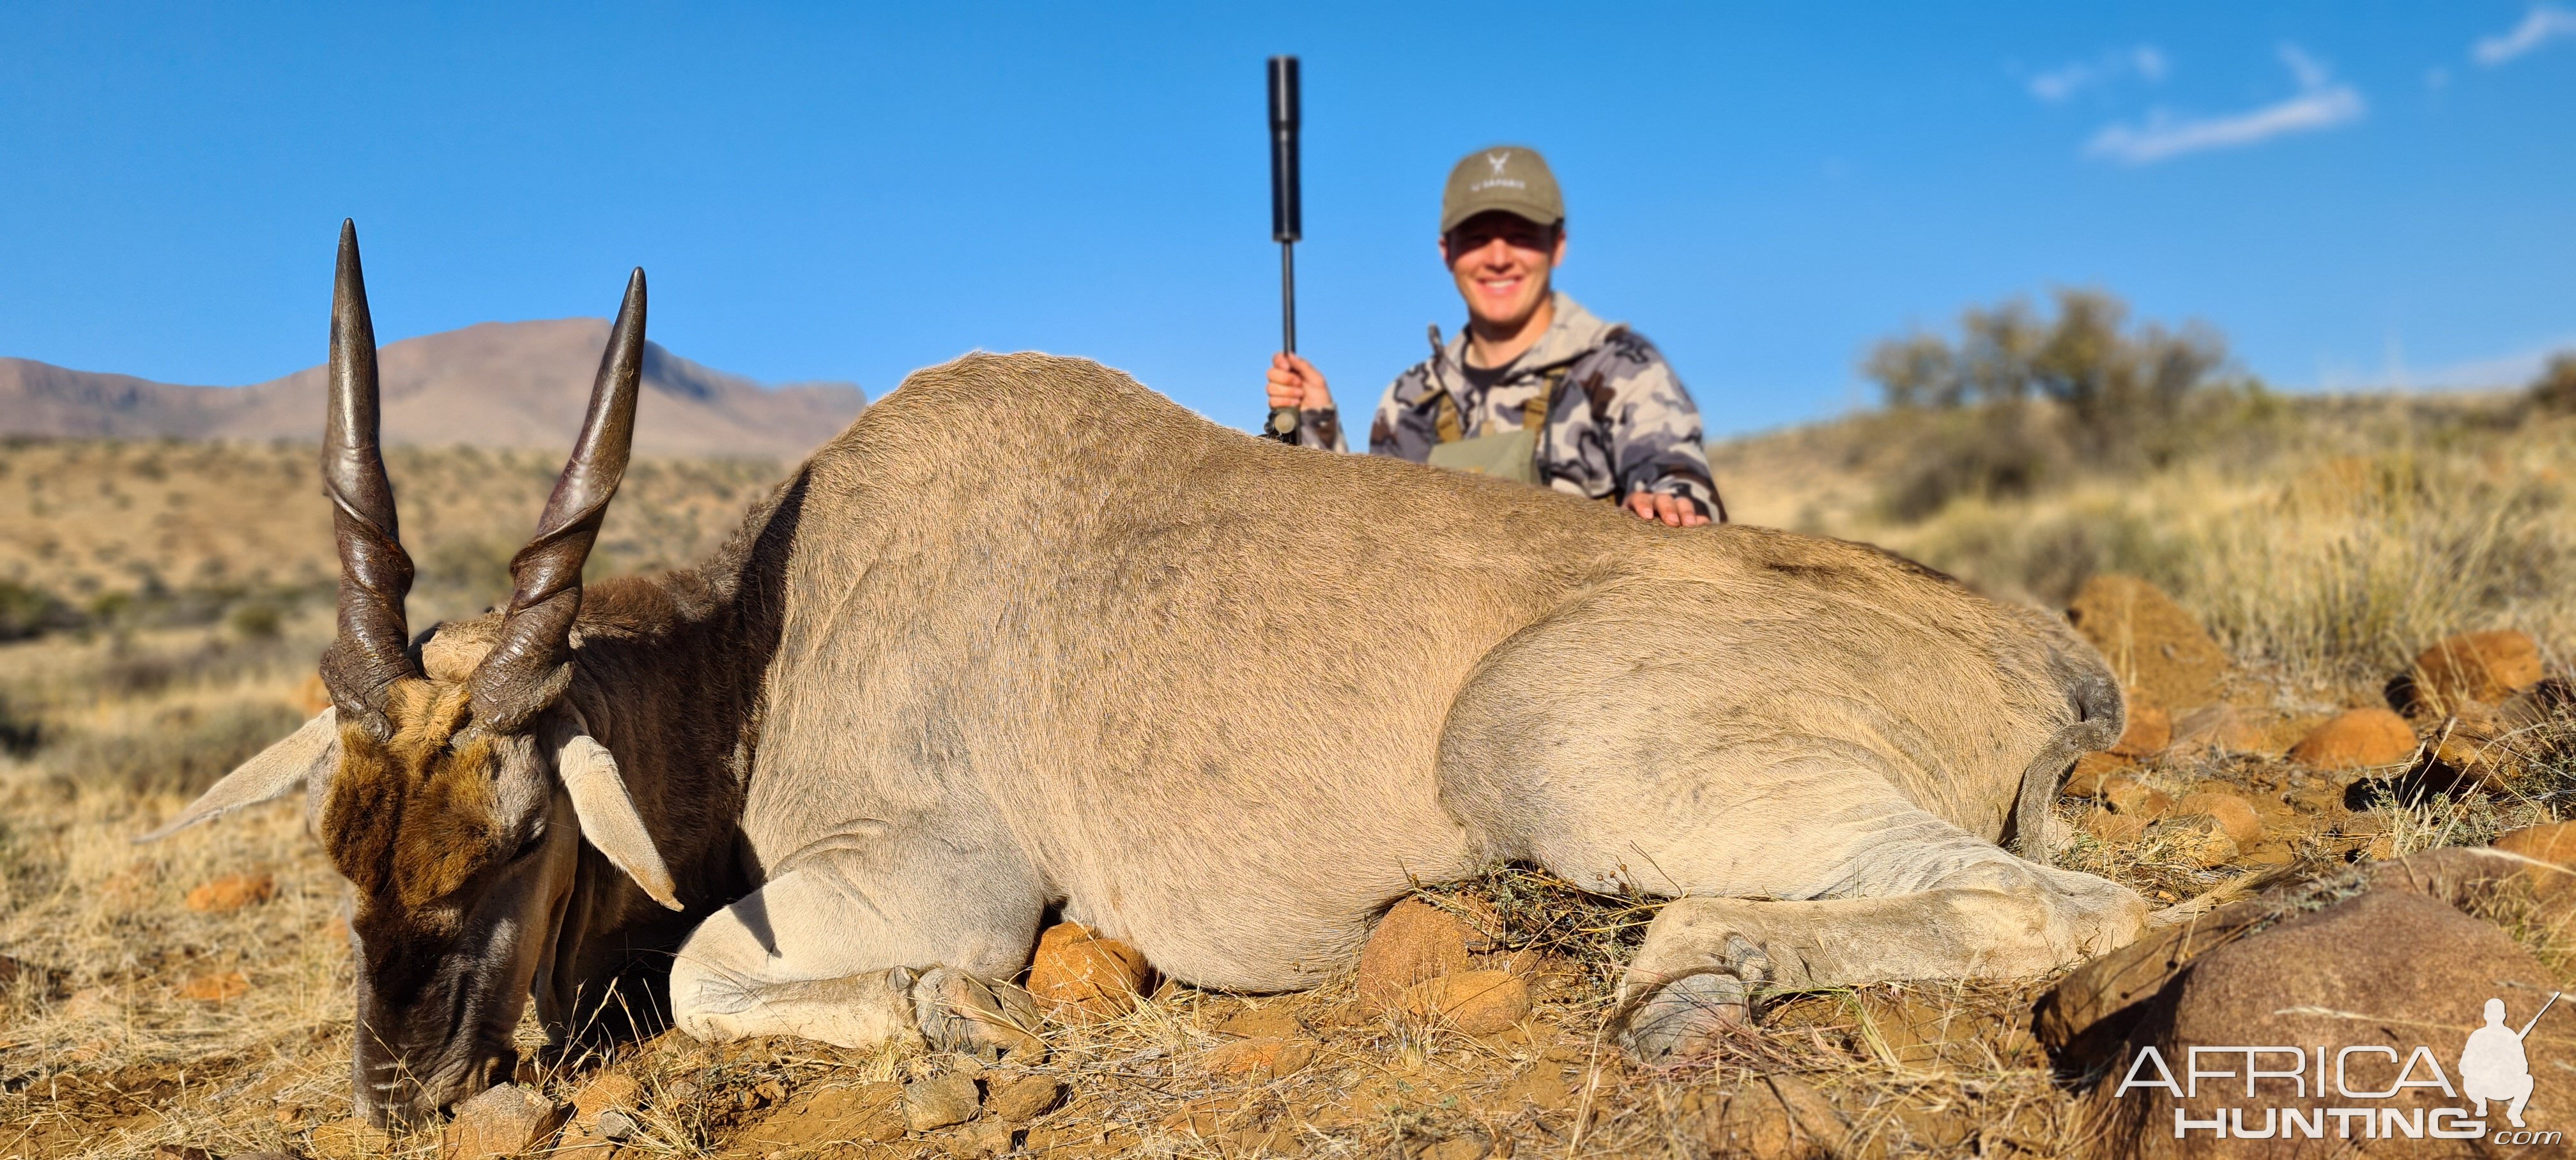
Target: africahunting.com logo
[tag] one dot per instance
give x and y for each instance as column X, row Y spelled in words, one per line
column 2493, row 1075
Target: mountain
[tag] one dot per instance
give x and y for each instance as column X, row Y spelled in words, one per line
column 498, row 384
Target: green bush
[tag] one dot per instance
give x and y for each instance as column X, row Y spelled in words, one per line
column 2019, row 398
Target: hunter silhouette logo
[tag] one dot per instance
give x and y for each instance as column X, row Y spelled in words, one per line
column 2492, row 1067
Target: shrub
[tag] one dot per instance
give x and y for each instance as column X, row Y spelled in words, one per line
column 26, row 612
column 2555, row 389
column 2019, row 397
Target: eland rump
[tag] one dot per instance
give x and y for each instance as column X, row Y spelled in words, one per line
column 1028, row 636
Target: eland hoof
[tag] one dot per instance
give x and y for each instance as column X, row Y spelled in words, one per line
column 961, row 1013
column 1686, row 1018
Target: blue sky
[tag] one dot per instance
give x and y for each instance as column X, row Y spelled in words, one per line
column 2357, row 194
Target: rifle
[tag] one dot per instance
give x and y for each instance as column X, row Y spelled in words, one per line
column 1284, row 223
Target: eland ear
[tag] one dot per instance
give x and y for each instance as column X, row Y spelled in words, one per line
column 308, row 754
column 609, row 821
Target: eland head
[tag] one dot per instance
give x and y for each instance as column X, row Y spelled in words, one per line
column 452, row 781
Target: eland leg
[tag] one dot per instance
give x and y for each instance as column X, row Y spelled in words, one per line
column 858, row 945
column 1707, row 962
column 1824, row 877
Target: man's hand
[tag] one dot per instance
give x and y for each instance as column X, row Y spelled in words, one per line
column 1294, row 382
column 1672, row 510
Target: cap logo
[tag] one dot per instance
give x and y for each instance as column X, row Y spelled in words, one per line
column 1498, row 160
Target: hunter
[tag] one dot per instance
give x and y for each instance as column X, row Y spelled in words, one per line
column 1535, row 388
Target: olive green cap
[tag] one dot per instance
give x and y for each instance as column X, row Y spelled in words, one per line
column 1511, row 178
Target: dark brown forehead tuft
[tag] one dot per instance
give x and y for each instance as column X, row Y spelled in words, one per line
column 410, row 820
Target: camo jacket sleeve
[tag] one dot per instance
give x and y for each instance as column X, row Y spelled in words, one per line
column 1404, row 427
column 1635, row 423
column 1320, row 427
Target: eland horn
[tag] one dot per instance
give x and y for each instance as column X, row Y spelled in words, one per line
column 528, row 668
column 370, row 652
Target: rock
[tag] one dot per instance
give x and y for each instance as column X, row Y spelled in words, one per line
column 232, row 892
column 2114, row 829
column 1079, row 976
column 2092, row 772
column 1778, row 1117
column 608, row 1089
column 1264, row 1057
column 2149, row 730
column 937, row 1103
column 985, row 1137
column 2126, row 796
column 502, row 1122
column 2476, row 666
column 2357, row 739
column 1474, row 1002
column 616, row 1126
column 2390, row 967
column 2234, row 813
column 1414, row 942
column 222, row 987
column 2153, row 645
column 1270, row 1022
column 1018, row 1101
column 2198, row 838
column 869, row 1113
column 2218, row 729
column 2549, row 842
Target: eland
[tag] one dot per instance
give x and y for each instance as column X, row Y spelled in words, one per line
column 1028, row 638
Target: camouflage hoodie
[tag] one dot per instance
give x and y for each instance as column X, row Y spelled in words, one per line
column 1621, row 422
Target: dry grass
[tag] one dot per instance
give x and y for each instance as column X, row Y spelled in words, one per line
column 2323, row 550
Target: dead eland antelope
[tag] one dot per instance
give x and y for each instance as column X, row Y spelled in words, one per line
column 1029, row 636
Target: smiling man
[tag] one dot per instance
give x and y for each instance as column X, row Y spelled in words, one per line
column 1535, row 388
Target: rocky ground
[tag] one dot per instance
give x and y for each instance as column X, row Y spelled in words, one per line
column 2310, row 849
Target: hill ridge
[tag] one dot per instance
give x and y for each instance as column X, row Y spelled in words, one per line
column 492, row 384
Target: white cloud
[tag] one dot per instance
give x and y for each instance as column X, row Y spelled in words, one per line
column 2073, row 77
column 2515, row 369
column 2321, row 103
column 2539, row 26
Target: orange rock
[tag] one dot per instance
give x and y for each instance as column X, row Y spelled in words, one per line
column 2130, row 797
column 2153, row 645
column 2358, row 738
column 2478, row 666
column 1414, row 942
column 2199, row 838
column 1265, row 1056
column 2549, row 842
column 217, row 988
column 2114, row 829
column 2092, row 772
column 232, row 892
column 2149, row 730
column 1078, row 975
column 1475, row 1002
column 2234, row 814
